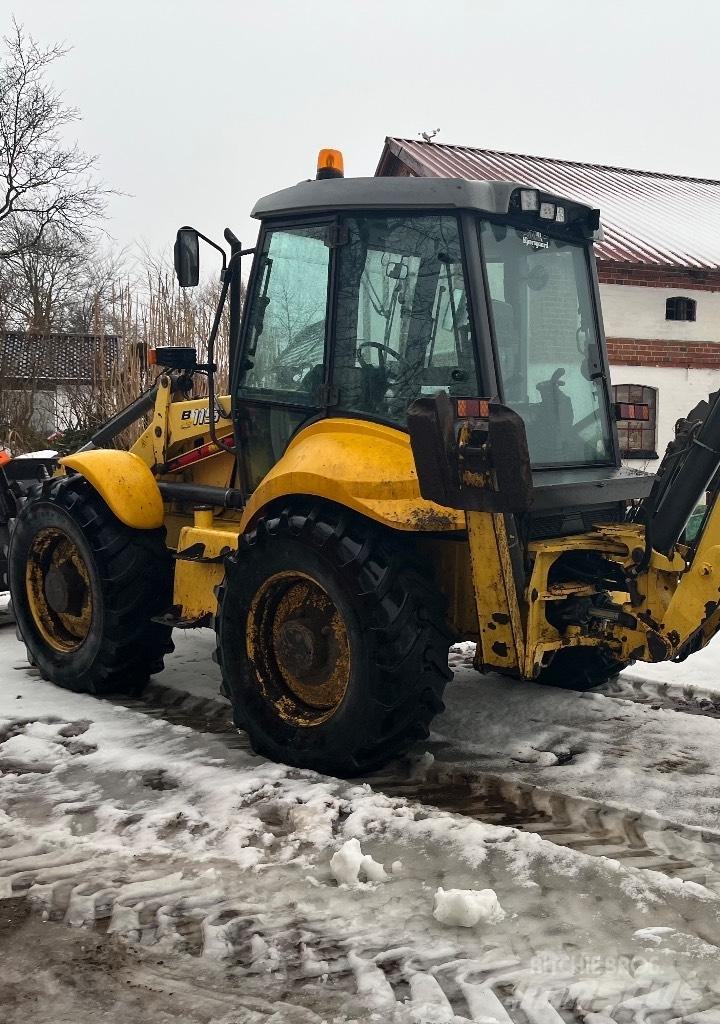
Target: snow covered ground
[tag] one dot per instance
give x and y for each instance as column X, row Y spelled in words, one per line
column 153, row 870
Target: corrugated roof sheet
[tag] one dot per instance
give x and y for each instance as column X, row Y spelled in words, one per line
column 56, row 358
column 647, row 217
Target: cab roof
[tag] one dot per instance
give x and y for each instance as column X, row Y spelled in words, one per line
column 331, row 194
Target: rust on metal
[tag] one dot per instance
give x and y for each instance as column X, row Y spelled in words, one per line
column 58, row 588
column 298, row 643
column 431, row 519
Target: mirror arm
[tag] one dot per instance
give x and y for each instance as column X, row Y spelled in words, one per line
column 214, row 246
column 231, row 283
column 221, row 444
column 236, row 254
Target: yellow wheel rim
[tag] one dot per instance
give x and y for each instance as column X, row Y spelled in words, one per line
column 298, row 643
column 58, row 589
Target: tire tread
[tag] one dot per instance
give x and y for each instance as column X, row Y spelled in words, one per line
column 404, row 626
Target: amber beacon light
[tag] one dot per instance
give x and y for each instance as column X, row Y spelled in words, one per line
column 330, row 164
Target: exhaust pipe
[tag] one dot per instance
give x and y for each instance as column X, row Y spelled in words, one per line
column 680, row 486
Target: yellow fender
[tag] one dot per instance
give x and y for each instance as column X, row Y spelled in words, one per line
column 124, row 482
column 365, row 466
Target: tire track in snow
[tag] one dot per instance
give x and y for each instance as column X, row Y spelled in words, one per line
column 662, row 696
column 656, row 694
column 199, row 916
column 173, row 905
column 179, row 707
column 577, row 823
column 592, row 827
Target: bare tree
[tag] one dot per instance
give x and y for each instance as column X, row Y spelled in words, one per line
column 41, row 277
column 44, row 180
column 96, row 287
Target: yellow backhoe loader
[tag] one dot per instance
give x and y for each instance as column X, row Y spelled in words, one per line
column 419, row 446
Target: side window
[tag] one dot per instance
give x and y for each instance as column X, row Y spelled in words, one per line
column 402, row 326
column 285, row 347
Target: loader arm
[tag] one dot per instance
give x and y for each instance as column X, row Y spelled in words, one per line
column 689, row 468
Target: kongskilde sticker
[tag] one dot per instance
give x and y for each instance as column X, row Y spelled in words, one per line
column 535, row 240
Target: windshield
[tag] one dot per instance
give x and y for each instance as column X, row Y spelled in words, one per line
column 547, row 345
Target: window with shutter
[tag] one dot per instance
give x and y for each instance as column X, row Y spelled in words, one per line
column 638, row 434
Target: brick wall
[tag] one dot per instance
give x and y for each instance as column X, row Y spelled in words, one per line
column 646, row 276
column 641, row 352
column 553, row 310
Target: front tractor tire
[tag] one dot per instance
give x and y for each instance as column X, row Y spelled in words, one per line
column 332, row 644
column 84, row 589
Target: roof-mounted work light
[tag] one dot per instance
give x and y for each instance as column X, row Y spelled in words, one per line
column 330, row 164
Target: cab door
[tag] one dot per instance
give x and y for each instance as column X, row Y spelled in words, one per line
column 282, row 382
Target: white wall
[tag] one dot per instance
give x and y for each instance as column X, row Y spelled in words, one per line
column 635, row 312
column 679, row 390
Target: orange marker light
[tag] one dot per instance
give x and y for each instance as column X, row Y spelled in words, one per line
column 151, row 357
column 5, row 456
column 330, row 164
column 473, row 407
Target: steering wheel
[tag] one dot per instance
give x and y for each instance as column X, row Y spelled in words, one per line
column 383, row 350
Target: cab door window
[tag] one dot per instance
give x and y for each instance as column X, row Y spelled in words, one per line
column 402, row 326
column 284, row 355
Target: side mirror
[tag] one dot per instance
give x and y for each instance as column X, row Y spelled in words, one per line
column 187, row 257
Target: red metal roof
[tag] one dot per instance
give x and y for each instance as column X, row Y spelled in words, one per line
column 650, row 218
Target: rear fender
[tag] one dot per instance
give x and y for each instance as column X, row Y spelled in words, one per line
column 361, row 465
column 124, row 482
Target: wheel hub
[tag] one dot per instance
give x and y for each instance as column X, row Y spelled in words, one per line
column 301, row 647
column 298, row 641
column 58, row 589
column 64, row 588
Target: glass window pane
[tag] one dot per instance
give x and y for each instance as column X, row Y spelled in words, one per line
column 403, row 326
column 286, row 336
column 547, row 346
column 637, row 438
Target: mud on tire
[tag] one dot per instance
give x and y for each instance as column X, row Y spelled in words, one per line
column 393, row 624
column 128, row 580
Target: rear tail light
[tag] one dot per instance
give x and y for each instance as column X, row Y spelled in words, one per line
column 473, row 407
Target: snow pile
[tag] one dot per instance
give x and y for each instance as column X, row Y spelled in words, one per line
column 465, row 908
column 349, row 862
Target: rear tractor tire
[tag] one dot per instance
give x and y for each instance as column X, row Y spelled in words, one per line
column 332, row 644
column 580, row 668
column 84, row 589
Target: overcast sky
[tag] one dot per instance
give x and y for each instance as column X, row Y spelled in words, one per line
column 197, row 107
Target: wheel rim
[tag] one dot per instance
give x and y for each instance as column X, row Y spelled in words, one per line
column 58, row 589
column 298, row 642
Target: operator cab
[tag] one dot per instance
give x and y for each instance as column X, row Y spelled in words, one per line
column 367, row 294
